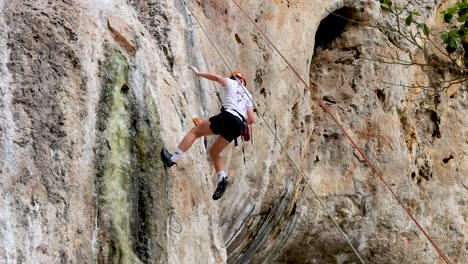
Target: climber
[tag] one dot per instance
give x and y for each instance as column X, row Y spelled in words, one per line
column 237, row 108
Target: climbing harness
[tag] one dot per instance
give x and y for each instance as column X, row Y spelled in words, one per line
column 356, row 147
column 245, row 129
column 280, row 142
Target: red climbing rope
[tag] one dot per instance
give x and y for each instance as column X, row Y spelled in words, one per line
column 327, row 110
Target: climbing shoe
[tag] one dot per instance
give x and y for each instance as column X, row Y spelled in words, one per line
column 166, row 157
column 222, row 185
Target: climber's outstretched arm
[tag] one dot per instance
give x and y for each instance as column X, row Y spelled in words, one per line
column 210, row 76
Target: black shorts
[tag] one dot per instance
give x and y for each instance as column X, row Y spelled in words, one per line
column 227, row 125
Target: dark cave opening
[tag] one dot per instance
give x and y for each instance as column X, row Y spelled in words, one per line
column 333, row 25
column 330, row 35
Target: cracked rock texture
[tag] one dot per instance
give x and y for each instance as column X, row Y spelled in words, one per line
column 91, row 91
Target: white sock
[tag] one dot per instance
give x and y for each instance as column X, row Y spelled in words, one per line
column 177, row 154
column 221, row 175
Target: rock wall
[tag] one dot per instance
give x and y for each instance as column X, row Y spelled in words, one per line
column 91, row 91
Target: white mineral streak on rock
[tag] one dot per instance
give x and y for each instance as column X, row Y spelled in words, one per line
column 7, row 123
column 7, row 150
column 35, row 237
column 7, row 231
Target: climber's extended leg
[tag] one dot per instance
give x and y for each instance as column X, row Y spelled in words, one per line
column 202, row 129
column 215, row 153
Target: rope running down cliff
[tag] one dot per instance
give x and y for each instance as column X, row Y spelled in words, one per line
column 356, row 147
column 206, row 62
column 281, row 144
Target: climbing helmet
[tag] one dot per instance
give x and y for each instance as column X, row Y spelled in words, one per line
column 239, row 75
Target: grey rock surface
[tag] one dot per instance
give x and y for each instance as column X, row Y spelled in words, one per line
column 91, row 91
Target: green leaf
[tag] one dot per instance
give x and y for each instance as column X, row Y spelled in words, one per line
column 385, row 4
column 416, row 13
column 463, row 4
column 409, row 20
column 450, row 49
column 462, row 19
column 453, row 34
column 444, row 36
column 424, row 28
column 462, row 11
column 453, row 43
column 447, row 17
column 451, row 10
column 461, row 33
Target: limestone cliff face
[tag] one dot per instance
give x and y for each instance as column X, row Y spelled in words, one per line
column 91, row 91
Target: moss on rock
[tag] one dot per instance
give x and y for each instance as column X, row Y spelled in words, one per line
column 132, row 185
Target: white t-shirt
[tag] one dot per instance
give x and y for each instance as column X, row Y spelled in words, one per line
column 235, row 96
